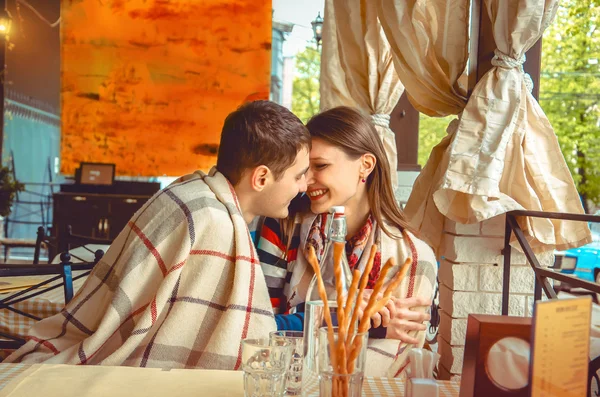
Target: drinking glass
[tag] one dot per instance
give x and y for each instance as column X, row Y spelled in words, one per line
column 293, row 383
column 333, row 381
column 265, row 365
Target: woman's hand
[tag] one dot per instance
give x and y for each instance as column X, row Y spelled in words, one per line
column 380, row 318
column 399, row 316
column 408, row 318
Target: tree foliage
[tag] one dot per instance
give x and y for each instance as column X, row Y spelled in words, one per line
column 431, row 131
column 570, row 90
column 8, row 190
column 305, row 94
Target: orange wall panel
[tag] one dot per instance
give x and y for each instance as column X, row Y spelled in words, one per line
column 146, row 84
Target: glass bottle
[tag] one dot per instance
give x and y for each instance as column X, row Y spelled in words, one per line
column 314, row 315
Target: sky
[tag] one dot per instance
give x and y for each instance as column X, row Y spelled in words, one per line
column 301, row 14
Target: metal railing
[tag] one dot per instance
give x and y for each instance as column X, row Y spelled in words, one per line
column 542, row 275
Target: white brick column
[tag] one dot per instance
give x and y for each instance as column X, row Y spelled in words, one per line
column 470, row 274
column 406, row 180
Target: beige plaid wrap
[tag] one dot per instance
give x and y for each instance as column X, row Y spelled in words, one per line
column 180, row 287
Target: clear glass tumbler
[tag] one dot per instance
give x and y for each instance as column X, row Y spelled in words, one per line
column 265, row 365
column 293, row 383
column 339, row 377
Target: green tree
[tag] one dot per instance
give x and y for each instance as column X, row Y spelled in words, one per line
column 570, row 90
column 431, row 131
column 305, row 94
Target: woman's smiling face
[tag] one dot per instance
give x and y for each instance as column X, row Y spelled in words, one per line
column 333, row 178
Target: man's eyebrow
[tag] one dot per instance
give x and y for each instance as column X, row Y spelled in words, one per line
column 317, row 158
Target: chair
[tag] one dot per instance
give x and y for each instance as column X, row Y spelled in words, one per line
column 70, row 241
column 75, row 240
column 62, row 276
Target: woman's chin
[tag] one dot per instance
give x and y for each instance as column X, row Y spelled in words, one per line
column 319, row 208
column 321, row 205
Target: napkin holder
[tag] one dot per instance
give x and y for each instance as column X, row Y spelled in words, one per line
column 483, row 331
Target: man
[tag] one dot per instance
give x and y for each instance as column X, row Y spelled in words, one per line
column 182, row 285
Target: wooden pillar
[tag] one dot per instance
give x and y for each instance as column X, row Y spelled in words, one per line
column 404, row 121
column 482, row 45
column 533, row 66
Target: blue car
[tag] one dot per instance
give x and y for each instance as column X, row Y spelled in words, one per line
column 582, row 262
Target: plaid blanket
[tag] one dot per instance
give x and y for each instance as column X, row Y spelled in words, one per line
column 180, row 287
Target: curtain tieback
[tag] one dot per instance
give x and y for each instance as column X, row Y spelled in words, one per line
column 380, row 119
column 504, row 61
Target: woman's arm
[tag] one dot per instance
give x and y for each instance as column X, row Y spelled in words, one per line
column 408, row 317
column 405, row 318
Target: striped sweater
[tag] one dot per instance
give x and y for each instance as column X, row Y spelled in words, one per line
column 270, row 252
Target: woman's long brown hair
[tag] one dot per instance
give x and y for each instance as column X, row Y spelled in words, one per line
column 352, row 132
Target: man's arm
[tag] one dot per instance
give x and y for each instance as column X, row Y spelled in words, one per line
column 290, row 322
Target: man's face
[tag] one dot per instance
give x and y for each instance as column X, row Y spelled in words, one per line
column 276, row 197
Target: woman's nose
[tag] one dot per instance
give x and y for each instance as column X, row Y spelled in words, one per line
column 310, row 177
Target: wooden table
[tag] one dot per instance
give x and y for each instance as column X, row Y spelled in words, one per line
column 51, row 380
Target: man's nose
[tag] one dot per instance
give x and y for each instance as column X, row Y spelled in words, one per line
column 303, row 184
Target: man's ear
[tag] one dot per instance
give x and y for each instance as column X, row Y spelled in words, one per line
column 367, row 165
column 260, row 178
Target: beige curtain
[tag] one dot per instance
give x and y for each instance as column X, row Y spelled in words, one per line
column 502, row 154
column 429, row 42
column 430, row 47
column 357, row 68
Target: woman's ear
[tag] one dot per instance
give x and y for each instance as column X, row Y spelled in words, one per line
column 367, row 165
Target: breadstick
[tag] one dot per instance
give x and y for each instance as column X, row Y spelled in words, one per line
column 338, row 251
column 312, row 259
column 351, row 325
column 393, row 284
column 365, row 321
column 350, row 301
column 363, row 284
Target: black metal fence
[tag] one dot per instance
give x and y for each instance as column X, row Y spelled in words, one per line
column 542, row 275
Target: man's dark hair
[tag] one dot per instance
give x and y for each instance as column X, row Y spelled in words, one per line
column 260, row 133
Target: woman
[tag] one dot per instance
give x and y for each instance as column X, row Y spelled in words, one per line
column 348, row 167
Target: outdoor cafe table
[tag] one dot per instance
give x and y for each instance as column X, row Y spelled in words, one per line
column 53, row 380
